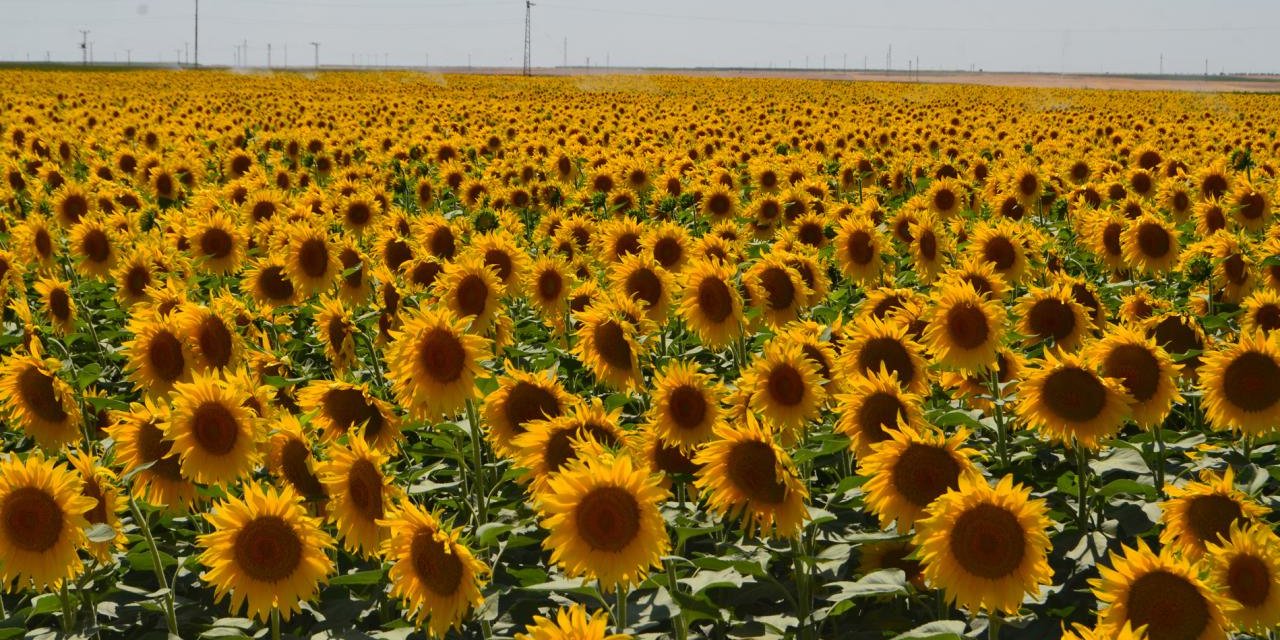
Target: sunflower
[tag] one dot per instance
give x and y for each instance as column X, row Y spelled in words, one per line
column 213, row 339
column 571, row 623
column 1245, row 569
column 641, row 278
column 776, row 289
column 1081, row 632
column 604, row 521
column 785, row 387
column 1000, row 245
column 746, row 474
column 548, row 283
column 976, row 273
column 98, row 483
column 1180, row 335
column 433, row 363
column 36, row 400
column 470, row 289
column 608, row 343
column 1160, row 592
column 35, row 242
column 1241, row 385
column 860, row 250
column 1201, row 513
column 71, row 203
column 965, row 328
column 158, row 357
column 42, row 520
column 685, row 405
column 217, row 243
column 618, row 239
column 911, row 469
column 874, row 344
column 290, row 459
column 134, row 275
column 265, row 551
column 340, row 408
column 359, row 495
column 986, row 548
column 269, row 283
column 336, row 330
column 501, row 253
column 1147, row 372
column 929, row 248
column 144, row 453
column 55, row 297
column 358, row 211
column 1067, row 401
column 1050, row 315
column 874, row 407
column 1150, row 244
column 94, row 246
column 1139, row 305
column 311, row 258
column 353, row 284
column 436, row 575
column 520, row 399
column 710, row 303
column 548, row 446
column 215, row 435
column 1250, row 206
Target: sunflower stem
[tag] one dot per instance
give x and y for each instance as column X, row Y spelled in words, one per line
column 170, row 616
column 801, row 575
column 673, row 586
column 1002, row 432
column 620, row 608
column 994, row 622
column 275, row 623
column 1157, row 433
column 1082, row 480
column 67, row 613
column 477, row 481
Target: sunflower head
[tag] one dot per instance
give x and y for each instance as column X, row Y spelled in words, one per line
column 42, row 522
column 436, row 576
column 746, row 475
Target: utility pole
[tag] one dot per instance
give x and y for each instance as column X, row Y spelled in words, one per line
column 566, row 52
column 844, row 65
column 197, row 33
column 268, row 55
column 84, row 48
column 528, row 39
column 316, row 46
column 286, row 55
column 128, row 56
column 90, row 52
column 1162, row 64
column 244, row 52
column 917, row 68
column 888, row 60
column 186, row 52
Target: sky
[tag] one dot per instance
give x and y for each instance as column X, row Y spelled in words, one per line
column 1090, row 36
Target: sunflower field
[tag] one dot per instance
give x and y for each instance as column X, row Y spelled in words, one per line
column 399, row 355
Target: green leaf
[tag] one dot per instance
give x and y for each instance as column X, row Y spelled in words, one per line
column 1128, row 486
column 89, row 375
column 940, row 630
column 487, row 534
column 372, row 576
column 877, row 583
column 100, row 532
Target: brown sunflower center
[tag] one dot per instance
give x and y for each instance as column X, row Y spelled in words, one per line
column 550, row 285
column 928, row 245
column 778, row 287
column 1252, row 382
column 879, row 411
column 274, row 284
column 1168, row 605
column 442, row 243
column 612, row 345
column 967, row 326
column 1000, row 252
column 439, row 568
column 786, row 385
column 348, row 408
column 528, row 402
column 644, row 284
column 687, row 406
column 923, row 472
column 859, row 248
column 988, row 542
column 60, row 304
column 43, row 243
column 215, row 342
column 39, row 395
column 500, row 262
column 294, row 455
column 268, row 549
column 1074, row 395
column 1111, row 239
column 1249, row 580
column 215, row 428
column 668, row 251
column 1154, row 240
column 715, row 299
column 313, row 257
column 559, row 450
column 719, row 204
column 395, row 253
column 472, row 295
column 753, row 471
column 1052, row 318
column 165, row 354
column 1252, row 205
column 137, row 279
column 608, row 519
column 93, row 490
column 358, row 214
column 364, row 489
column 1136, row 367
column 442, row 356
column 96, row 246
column 1209, row 517
column 628, row 243
column 33, row 519
column 1267, row 317
column 889, row 353
column 216, row 243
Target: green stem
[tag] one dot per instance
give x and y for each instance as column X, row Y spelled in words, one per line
column 170, row 616
column 802, row 587
column 1157, row 433
column 275, row 623
column 994, row 622
column 477, row 462
column 1082, row 480
column 67, row 614
column 620, row 608
column 673, row 585
column 1002, row 431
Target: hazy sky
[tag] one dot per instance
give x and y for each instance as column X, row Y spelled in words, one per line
column 1011, row 35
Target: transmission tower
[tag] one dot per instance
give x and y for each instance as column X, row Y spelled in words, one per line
column 84, row 47
column 528, row 39
column 316, row 46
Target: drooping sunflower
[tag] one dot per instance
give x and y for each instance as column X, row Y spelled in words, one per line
column 785, row 388
column 290, row 459
column 337, row 330
column 1202, row 512
column 985, row 547
column 55, row 297
column 1241, row 385
column 1147, row 372
column 1049, row 314
column 39, row 402
column 911, row 469
column 874, row 408
column 42, row 522
column 710, row 303
column 431, row 570
column 548, row 446
column 603, row 519
column 746, row 475
column 571, row 623
column 360, row 494
column 520, row 399
column 1245, row 569
column 1065, row 399
column 265, row 552
column 685, row 407
column 433, row 363
column 608, row 342
column 98, row 483
column 1160, row 592
column 340, row 408
column 214, row 434
column 965, row 328
column 143, row 452
column 873, row 344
